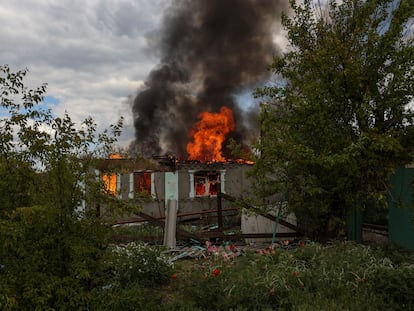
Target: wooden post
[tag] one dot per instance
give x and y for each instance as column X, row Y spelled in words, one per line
column 219, row 209
column 170, row 224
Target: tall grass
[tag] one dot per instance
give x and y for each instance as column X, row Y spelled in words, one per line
column 339, row 276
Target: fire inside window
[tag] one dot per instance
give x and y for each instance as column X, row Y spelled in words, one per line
column 142, row 182
column 109, row 179
column 109, row 183
column 205, row 183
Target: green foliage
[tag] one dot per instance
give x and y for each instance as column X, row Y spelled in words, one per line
column 134, row 297
column 45, row 265
column 237, row 150
column 340, row 276
column 17, row 187
column 52, row 250
column 134, row 274
column 336, row 126
column 46, row 159
column 143, row 232
column 395, row 288
column 139, row 263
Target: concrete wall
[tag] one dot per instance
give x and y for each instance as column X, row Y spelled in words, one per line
column 258, row 224
column 233, row 181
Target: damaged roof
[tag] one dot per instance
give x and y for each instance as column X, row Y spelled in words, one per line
column 131, row 165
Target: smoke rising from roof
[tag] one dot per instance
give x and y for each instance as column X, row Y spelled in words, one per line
column 209, row 50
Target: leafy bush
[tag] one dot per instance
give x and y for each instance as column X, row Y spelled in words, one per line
column 139, row 263
column 137, row 276
column 46, row 266
column 338, row 276
column 395, row 285
column 132, row 297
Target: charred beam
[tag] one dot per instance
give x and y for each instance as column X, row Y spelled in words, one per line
column 219, row 209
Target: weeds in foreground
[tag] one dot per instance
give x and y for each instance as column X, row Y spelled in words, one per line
column 302, row 276
column 339, row 276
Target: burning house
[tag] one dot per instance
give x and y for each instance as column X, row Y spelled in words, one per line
column 190, row 190
column 204, row 194
column 211, row 53
column 193, row 184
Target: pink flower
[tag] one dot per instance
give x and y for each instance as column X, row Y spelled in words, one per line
column 216, row 272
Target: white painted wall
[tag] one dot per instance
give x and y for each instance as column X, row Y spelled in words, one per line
column 251, row 223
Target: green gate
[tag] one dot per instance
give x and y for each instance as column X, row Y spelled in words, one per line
column 400, row 213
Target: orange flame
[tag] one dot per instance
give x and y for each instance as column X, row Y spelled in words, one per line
column 109, row 183
column 208, row 135
column 109, row 179
column 115, row 156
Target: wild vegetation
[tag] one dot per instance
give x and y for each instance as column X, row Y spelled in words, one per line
column 337, row 122
column 302, row 276
column 51, row 250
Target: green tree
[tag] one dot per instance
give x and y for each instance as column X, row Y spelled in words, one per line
column 337, row 121
column 51, row 250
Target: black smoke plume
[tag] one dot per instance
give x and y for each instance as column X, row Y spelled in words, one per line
column 210, row 50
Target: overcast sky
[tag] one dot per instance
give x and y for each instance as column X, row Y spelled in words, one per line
column 93, row 54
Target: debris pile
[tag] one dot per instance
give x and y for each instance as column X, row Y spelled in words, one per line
column 227, row 251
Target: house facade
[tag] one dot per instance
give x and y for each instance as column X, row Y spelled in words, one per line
column 192, row 185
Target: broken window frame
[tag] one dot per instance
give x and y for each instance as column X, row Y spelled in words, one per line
column 147, row 189
column 207, row 179
column 111, row 182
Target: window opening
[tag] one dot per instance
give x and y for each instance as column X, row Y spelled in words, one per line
column 109, row 183
column 142, row 182
column 205, row 183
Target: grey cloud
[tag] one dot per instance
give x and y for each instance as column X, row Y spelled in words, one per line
column 92, row 54
column 128, row 18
